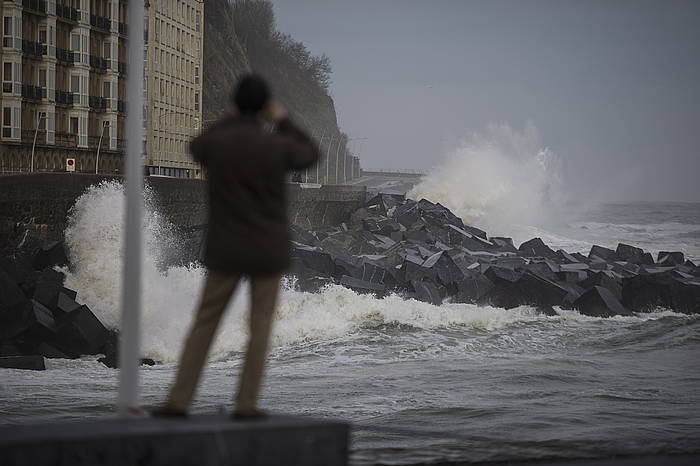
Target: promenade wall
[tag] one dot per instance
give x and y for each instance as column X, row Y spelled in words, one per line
column 41, row 202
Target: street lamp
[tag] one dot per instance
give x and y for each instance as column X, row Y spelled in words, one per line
column 105, row 124
column 39, row 117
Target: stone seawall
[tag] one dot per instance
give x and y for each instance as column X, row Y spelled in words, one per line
column 41, row 202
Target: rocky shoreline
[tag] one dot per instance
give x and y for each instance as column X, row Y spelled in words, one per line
column 418, row 250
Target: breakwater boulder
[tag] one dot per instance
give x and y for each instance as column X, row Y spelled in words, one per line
column 423, row 251
column 39, row 317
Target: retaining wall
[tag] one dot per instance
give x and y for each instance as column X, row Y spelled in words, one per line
column 41, row 202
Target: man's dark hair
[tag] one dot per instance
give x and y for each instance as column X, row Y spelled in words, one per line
column 251, row 94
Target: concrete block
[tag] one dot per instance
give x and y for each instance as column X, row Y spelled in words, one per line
column 196, row 441
column 35, row 363
column 600, row 302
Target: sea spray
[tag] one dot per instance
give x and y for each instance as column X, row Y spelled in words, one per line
column 94, row 240
column 500, row 181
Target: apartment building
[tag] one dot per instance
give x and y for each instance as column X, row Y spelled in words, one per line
column 174, row 59
column 64, row 77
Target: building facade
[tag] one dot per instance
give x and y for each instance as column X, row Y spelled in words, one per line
column 64, row 77
column 174, row 64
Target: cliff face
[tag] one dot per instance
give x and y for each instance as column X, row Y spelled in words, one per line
column 286, row 64
column 224, row 58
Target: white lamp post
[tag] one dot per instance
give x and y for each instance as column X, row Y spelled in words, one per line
column 105, row 124
column 129, row 337
column 39, row 117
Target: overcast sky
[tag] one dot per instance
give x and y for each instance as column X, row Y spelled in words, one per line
column 612, row 86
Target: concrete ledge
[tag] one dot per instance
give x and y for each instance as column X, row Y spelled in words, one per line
column 198, row 440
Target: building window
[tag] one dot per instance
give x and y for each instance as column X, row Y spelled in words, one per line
column 107, row 50
column 75, row 42
column 7, row 77
column 106, row 89
column 43, row 35
column 73, row 125
column 6, row 122
column 75, row 84
column 197, row 22
column 7, row 31
column 196, row 75
column 196, row 100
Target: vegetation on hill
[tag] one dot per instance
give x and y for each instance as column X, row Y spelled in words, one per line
column 241, row 37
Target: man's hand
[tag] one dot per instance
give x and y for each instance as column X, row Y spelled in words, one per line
column 275, row 111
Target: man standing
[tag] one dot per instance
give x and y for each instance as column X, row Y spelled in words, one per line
column 246, row 167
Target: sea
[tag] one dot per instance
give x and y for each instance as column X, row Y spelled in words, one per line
column 419, row 383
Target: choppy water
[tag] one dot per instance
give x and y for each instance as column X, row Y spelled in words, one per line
column 420, row 383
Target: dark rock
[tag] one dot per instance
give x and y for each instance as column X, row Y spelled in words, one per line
column 536, row 248
column 51, row 253
column 628, row 253
column 313, row 283
column 10, row 294
column 316, row 260
column 685, row 296
column 473, row 288
column 9, row 349
column 40, row 322
column 33, row 362
column 361, row 286
column 504, row 244
column 48, row 351
column 496, row 273
column 427, row 292
column 606, row 280
column 81, row 332
column 602, row 254
column 547, row 310
column 600, row 302
column 644, row 293
column 670, row 258
column 47, row 293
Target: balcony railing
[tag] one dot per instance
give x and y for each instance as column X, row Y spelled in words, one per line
column 65, row 98
column 100, row 22
column 33, row 48
column 35, row 5
column 65, row 55
column 7, row 87
column 97, row 103
column 31, row 92
column 66, row 12
column 67, row 139
column 98, row 62
column 28, row 136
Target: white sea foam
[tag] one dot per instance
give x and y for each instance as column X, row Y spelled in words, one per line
column 498, row 181
column 171, row 293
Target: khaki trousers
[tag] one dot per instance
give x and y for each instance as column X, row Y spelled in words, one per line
column 218, row 290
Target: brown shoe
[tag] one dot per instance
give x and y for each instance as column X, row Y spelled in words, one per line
column 249, row 414
column 167, row 411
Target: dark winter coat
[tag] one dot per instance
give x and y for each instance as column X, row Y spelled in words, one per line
column 246, row 167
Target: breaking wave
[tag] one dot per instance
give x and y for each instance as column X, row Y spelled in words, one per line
column 94, row 241
column 498, row 180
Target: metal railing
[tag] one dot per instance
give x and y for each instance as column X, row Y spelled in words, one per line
column 35, row 5
column 97, row 103
column 66, row 12
column 67, row 139
column 100, row 22
column 65, row 55
column 32, row 92
column 33, row 48
column 65, row 98
column 98, row 62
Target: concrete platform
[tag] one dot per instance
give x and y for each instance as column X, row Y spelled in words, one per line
column 197, row 440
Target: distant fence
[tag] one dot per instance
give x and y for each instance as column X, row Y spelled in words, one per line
column 397, row 173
